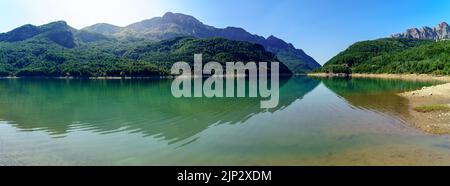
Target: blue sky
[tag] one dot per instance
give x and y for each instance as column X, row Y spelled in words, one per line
column 322, row 28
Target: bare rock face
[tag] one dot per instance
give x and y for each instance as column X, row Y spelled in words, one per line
column 440, row 32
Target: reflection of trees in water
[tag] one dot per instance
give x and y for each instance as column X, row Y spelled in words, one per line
column 374, row 94
column 144, row 106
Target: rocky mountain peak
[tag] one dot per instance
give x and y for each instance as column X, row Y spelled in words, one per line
column 234, row 29
column 443, row 24
column 179, row 18
column 441, row 31
column 57, row 24
column 103, row 28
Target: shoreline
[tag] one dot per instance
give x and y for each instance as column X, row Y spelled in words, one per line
column 415, row 77
column 89, row 78
column 427, row 106
column 143, row 77
column 429, row 109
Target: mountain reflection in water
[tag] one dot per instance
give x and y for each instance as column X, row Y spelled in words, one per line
column 134, row 106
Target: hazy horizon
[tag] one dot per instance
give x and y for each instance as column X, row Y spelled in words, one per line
column 321, row 28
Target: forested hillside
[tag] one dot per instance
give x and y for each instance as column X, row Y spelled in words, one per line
column 58, row 50
column 392, row 55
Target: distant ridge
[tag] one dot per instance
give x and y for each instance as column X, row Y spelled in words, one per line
column 59, row 32
column 439, row 32
column 58, row 50
column 173, row 25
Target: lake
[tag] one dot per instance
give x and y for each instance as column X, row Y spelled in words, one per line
column 329, row 121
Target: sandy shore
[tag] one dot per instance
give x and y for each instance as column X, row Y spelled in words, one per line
column 436, row 101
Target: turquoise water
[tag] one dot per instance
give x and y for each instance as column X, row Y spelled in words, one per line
column 137, row 122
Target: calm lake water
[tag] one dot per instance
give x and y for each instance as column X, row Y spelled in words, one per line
column 138, row 122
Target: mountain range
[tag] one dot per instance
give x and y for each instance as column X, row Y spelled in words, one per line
column 173, row 25
column 439, row 32
column 58, row 50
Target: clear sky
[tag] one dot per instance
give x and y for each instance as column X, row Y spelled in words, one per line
column 322, row 28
